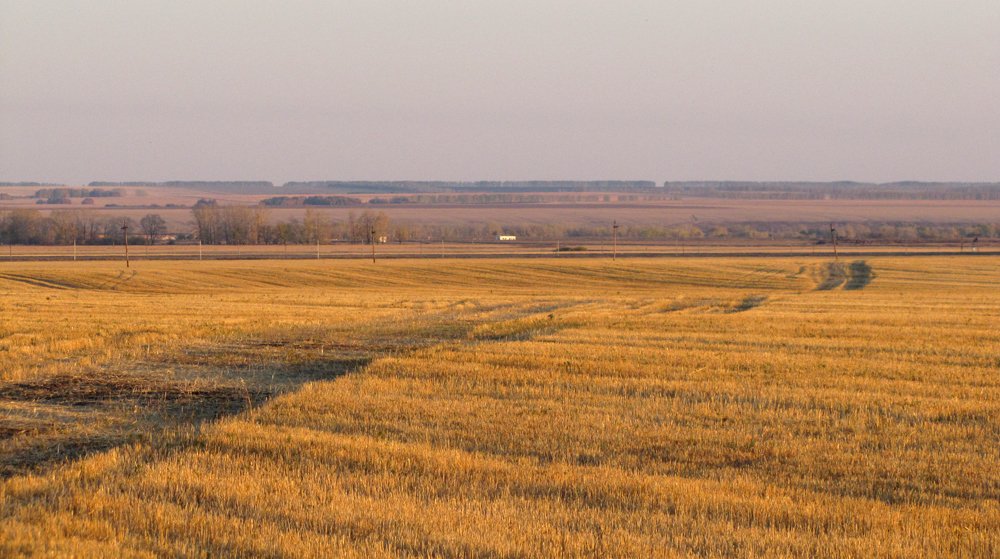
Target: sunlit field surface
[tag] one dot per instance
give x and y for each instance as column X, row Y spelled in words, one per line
column 669, row 407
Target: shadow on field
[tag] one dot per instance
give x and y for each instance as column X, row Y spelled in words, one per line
column 41, row 419
column 57, row 418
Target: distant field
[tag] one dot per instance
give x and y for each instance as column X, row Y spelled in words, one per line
column 656, row 212
column 537, row 407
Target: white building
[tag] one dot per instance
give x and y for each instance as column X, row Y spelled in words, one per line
column 506, row 237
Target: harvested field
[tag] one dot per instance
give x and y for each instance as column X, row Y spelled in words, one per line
column 502, row 408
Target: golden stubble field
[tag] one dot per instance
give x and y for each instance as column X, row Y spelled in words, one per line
column 502, row 408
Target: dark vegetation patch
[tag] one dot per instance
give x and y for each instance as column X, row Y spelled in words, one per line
column 860, row 274
column 683, row 303
column 831, row 276
column 854, row 276
column 749, row 302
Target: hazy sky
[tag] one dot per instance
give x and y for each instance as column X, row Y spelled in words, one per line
column 463, row 90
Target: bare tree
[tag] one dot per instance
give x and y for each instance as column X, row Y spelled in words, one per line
column 152, row 226
column 317, row 226
column 65, row 226
column 206, row 217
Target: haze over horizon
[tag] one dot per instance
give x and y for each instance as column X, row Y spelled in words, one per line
column 359, row 90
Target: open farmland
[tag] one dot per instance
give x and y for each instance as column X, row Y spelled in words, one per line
column 771, row 406
column 662, row 212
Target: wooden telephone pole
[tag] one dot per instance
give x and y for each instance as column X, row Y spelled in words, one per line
column 833, row 237
column 614, row 240
column 373, row 245
column 125, row 234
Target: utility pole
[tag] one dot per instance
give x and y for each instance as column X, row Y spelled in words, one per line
column 199, row 249
column 317, row 247
column 74, row 249
column 125, row 234
column 373, row 245
column 614, row 240
column 833, row 237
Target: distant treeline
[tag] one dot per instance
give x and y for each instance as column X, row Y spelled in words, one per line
column 189, row 184
column 292, row 201
column 860, row 233
column 872, row 232
column 235, row 187
column 125, row 183
column 510, row 198
column 249, row 225
column 216, row 224
column 27, row 183
column 416, row 187
column 393, row 187
column 482, row 198
column 773, row 190
column 55, row 193
column 907, row 190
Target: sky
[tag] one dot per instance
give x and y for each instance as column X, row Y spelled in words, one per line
column 873, row 90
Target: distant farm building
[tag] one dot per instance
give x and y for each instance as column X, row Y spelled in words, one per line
column 506, row 237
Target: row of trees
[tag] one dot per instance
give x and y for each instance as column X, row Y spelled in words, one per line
column 843, row 190
column 243, row 225
column 216, row 224
column 293, row 201
column 78, row 193
column 65, row 227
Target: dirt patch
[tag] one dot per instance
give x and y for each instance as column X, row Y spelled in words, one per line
column 87, row 390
